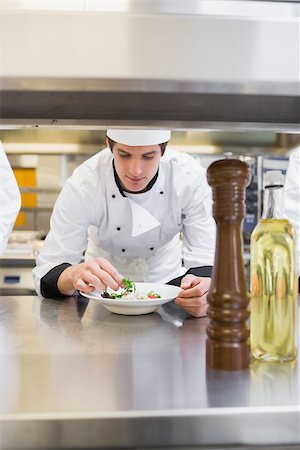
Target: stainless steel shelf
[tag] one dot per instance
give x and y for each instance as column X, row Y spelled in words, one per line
column 112, row 381
column 209, row 72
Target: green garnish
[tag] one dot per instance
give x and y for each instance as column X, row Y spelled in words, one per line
column 129, row 286
column 112, row 295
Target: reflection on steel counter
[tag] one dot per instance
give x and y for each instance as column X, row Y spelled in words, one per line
column 144, row 376
column 111, row 381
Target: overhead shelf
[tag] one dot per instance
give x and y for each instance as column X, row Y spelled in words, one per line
column 207, row 72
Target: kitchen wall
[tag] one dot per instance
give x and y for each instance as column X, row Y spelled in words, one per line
column 54, row 154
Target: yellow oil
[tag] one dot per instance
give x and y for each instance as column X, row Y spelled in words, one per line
column 273, row 291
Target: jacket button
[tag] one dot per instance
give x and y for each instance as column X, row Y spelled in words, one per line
column 161, row 192
column 118, row 228
column 151, row 248
column 123, row 250
column 113, row 196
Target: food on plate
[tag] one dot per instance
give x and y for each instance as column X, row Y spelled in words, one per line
column 129, row 292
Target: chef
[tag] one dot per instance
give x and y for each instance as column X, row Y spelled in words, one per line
column 10, row 199
column 292, row 198
column 134, row 210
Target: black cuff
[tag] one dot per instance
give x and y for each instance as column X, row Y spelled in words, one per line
column 204, row 271
column 49, row 282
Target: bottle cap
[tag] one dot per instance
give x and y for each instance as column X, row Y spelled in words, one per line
column 273, row 178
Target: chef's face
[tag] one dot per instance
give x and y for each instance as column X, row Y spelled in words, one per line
column 136, row 166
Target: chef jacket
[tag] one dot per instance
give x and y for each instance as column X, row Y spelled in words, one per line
column 139, row 233
column 10, row 199
column 292, row 198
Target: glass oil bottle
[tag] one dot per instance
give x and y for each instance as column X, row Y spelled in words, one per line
column 273, row 279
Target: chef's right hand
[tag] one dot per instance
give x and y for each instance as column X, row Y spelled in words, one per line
column 86, row 277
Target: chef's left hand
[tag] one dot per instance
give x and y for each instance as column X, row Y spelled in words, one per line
column 193, row 297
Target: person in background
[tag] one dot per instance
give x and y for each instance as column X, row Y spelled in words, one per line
column 125, row 208
column 10, row 199
column 292, row 198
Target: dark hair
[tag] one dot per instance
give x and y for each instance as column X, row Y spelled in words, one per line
column 163, row 146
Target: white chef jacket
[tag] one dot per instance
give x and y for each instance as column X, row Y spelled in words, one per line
column 138, row 233
column 10, row 199
column 292, row 197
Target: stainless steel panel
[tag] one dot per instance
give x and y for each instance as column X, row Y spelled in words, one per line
column 200, row 71
column 74, row 375
column 91, row 45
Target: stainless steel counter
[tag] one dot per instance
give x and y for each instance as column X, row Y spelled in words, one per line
column 73, row 375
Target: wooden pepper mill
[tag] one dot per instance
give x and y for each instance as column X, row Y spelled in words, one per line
column 227, row 345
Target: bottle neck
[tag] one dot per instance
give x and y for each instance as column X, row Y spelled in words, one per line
column 273, row 203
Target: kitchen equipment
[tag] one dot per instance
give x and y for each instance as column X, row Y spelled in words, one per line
column 17, row 262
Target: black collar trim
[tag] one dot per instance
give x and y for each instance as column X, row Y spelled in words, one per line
column 122, row 192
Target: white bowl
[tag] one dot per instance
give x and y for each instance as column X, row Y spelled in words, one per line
column 136, row 307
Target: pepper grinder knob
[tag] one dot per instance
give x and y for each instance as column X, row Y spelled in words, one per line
column 227, row 344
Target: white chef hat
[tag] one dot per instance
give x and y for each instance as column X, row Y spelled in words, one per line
column 139, row 137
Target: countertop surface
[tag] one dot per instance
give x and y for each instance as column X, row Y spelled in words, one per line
column 74, row 375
